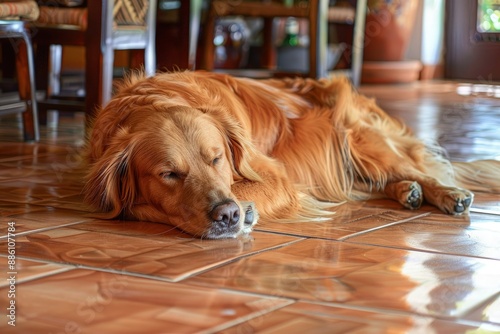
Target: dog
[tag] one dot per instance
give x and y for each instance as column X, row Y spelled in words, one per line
column 188, row 148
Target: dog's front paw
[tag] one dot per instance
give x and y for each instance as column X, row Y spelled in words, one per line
column 408, row 193
column 413, row 197
column 251, row 216
column 457, row 201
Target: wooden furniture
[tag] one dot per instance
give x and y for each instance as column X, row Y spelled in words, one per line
column 355, row 17
column 13, row 28
column 319, row 15
column 268, row 10
column 175, row 21
column 101, row 27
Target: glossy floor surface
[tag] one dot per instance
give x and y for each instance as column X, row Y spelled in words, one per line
column 374, row 268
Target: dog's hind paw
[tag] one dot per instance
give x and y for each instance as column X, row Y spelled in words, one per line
column 457, row 201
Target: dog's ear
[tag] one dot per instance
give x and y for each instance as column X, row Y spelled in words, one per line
column 110, row 186
column 240, row 145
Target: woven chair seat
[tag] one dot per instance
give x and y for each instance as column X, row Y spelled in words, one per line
column 19, row 10
column 126, row 13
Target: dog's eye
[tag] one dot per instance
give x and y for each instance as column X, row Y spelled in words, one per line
column 216, row 161
column 169, row 175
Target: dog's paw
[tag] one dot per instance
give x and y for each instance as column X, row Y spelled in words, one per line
column 251, row 216
column 413, row 197
column 456, row 201
column 408, row 193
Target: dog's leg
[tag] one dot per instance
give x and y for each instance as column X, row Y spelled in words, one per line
column 451, row 200
column 408, row 193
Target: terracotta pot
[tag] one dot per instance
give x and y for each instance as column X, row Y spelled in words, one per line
column 389, row 24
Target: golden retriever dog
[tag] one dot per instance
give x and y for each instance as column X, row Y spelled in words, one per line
column 189, row 148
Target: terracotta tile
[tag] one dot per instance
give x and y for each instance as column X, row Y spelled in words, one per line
column 27, row 270
column 46, row 178
column 16, row 191
column 8, row 172
column 25, row 191
column 56, row 215
column 349, row 219
column 43, row 220
column 158, row 251
column 60, row 157
column 15, row 151
column 474, row 235
column 65, row 166
column 302, row 317
column 133, row 229
column 86, row 301
column 71, row 202
column 363, row 276
column 10, row 209
column 40, row 192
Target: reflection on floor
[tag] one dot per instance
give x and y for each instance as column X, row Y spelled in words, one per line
column 374, row 268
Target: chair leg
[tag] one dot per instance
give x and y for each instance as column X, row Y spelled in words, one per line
column 55, row 70
column 209, row 57
column 150, row 59
column 268, row 49
column 193, row 16
column 318, row 26
column 93, row 81
column 358, row 42
column 107, row 75
column 26, row 77
column 42, row 57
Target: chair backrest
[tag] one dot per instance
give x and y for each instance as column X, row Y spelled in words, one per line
column 139, row 14
column 131, row 12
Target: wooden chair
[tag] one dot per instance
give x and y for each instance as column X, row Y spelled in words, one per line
column 13, row 28
column 101, row 27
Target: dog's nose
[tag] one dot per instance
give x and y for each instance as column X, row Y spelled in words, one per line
column 226, row 213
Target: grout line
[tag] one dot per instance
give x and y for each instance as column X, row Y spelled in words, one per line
column 67, row 267
column 97, row 269
column 421, row 250
column 355, row 234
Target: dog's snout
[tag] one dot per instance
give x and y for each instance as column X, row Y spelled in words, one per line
column 227, row 213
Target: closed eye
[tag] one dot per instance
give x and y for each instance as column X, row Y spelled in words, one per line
column 216, row 160
column 169, row 175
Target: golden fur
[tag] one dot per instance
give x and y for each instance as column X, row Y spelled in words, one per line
column 186, row 148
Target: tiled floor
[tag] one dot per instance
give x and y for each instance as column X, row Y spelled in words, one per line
column 374, row 268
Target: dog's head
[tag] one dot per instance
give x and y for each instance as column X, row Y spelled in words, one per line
column 172, row 164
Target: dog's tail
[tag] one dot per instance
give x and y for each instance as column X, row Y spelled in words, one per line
column 480, row 175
